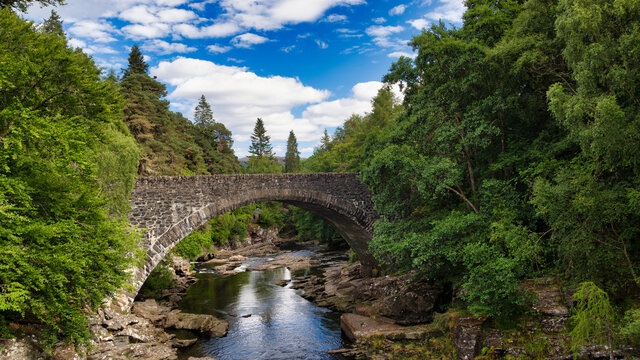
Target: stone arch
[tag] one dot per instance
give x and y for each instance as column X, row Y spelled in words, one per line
column 170, row 208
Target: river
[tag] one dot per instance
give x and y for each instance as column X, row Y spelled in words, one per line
column 266, row 320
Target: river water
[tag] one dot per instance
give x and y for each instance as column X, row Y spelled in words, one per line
column 266, row 321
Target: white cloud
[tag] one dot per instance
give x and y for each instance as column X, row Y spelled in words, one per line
column 91, row 49
column 334, row 18
column 418, row 23
column 321, row 44
column 217, row 49
column 239, row 96
column 288, row 49
column 397, row 54
column 221, row 29
column 382, row 36
column 383, row 31
column 334, row 113
column 379, row 20
column 398, row 10
column 99, row 31
column 146, row 31
column 138, row 14
column 163, row 47
column 176, row 15
column 248, row 40
column 450, row 10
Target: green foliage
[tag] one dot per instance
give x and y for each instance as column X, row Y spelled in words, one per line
column 263, row 165
column 292, row 157
column 219, row 231
column 203, row 115
column 137, row 65
column 67, row 163
column 260, row 141
column 22, row 5
column 592, row 318
column 160, row 279
column 630, row 330
column 171, row 144
column 311, row 227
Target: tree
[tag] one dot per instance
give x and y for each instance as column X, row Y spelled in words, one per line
column 67, row 167
column 292, row 158
column 260, row 141
column 593, row 318
column 137, row 64
column 22, row 5
column 325, row 141
column 53, row 25
column 203, row 115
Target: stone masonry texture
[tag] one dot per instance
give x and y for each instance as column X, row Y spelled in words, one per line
column 168, row 208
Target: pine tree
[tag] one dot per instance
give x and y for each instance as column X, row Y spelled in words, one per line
column 136, row 62
column 325, row 140
column 203, row 115
column 260, row 145
column 53, row 25
column 292, row 158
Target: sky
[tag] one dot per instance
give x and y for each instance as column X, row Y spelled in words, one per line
column 301, row 65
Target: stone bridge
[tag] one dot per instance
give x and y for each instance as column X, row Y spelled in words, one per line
column 171, row 207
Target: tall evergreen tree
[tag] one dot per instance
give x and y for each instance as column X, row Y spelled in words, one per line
column 203, row 115
column 292, row 158
column 260, row 141
column 53, row 25
column 325, row 140
column 136, row 62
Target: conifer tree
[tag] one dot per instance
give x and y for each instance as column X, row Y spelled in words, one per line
column 53, row 25
column 292, row 158
column 203, row 115
column 325, row 140
column 260, row 141
column 136, row 62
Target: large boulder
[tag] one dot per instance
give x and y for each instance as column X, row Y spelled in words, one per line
column 206, row 324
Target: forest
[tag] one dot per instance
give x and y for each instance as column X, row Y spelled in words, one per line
column 514, row 153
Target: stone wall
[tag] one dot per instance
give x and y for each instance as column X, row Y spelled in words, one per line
column 171, row 207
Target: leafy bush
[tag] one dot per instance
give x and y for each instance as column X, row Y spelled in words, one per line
column 66, row 170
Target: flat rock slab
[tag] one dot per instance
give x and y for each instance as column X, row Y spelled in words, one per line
column 206, row 324
column 358, row 327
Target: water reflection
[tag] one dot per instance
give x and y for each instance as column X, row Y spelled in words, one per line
column 281, row 325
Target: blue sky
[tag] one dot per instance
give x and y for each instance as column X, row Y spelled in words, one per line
column 302, row 65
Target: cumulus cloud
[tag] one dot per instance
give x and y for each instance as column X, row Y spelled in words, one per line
column 379, row 20
column 163, row 47
column 248, row 40
column 398, row 10
column 397, row 54
column 334, row 18
column 217, row 49
column 450, row 10
column 334, row 113
column 382, row 36
column 216, row 30
column 91, row 49
column 238, row 96
column 99, row 31
column 418, row 23
column 146, row 31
